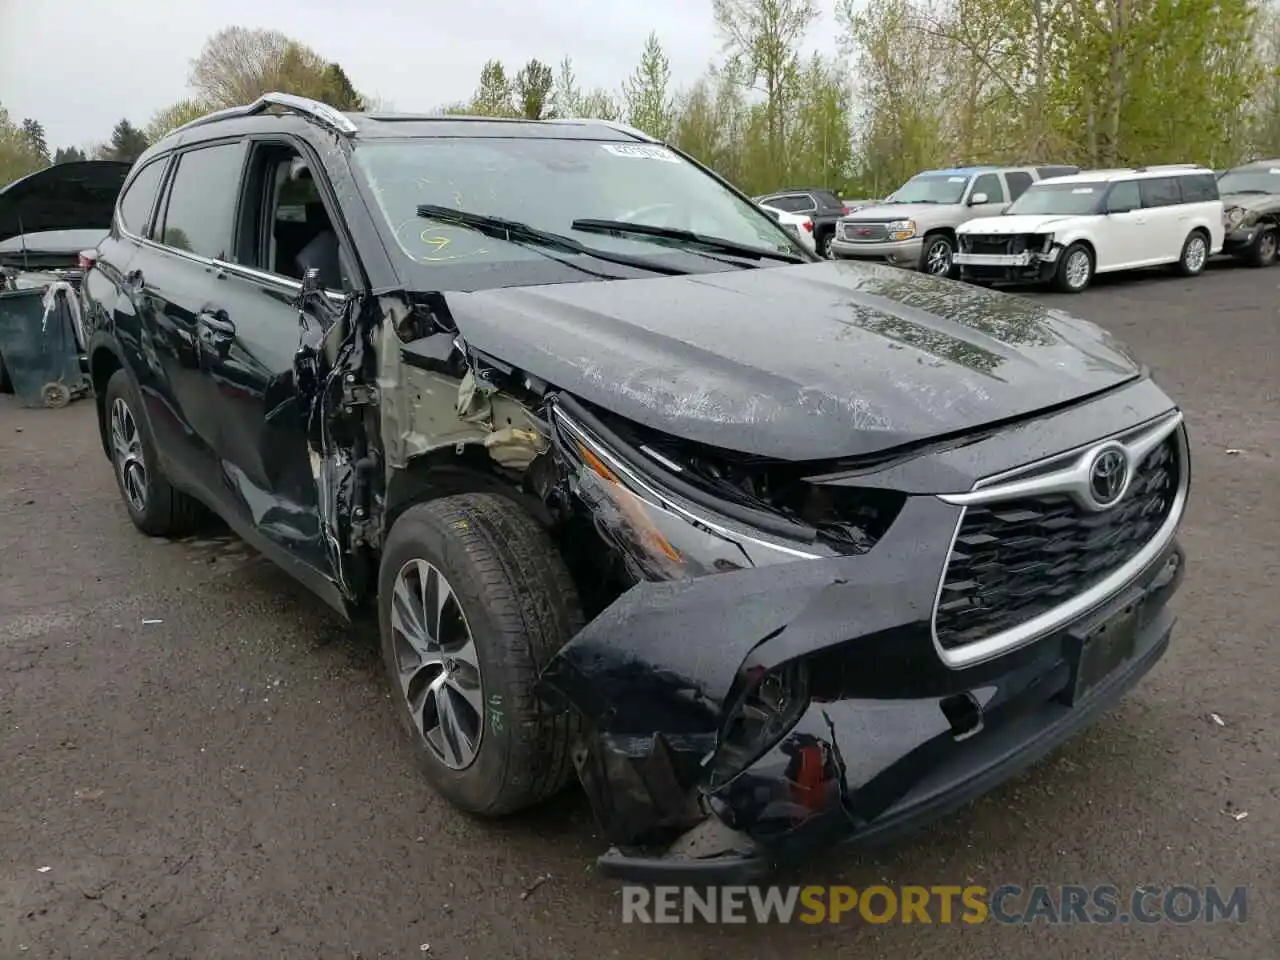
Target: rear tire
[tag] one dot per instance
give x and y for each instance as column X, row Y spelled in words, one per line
column 518, row 607
column 1262, row 253
column 1075, row 269
column 1195, row 254
column 154, row 505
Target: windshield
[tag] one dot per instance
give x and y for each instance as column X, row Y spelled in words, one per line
column 548, row 184
column 1253, row 180
column 931, row 188
column 1060, row 199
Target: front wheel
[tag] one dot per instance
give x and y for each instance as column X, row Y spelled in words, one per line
column 1262, row 253
column 473, row 601
column 1195, row 254
column 1075, row 269
column 824, row 244
column 937, row 255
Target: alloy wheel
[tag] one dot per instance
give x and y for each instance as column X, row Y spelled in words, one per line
column 1077, row 270
column 1267, row 246
column 1196, row 254
column 437, row 664
column 938, row 258
column 131, row 464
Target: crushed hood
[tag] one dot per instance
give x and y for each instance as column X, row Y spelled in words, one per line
column 804, row 362
column 67, row 196
column 1255, row 202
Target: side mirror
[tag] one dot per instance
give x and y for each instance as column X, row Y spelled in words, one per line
column 977, row 198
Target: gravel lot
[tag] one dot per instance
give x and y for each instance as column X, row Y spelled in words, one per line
column 230, row 781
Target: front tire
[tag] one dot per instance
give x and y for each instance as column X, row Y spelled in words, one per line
column 1075, row 269
column 473, row 601
column 1195, row 254
column 937, row 255
column 155, row 506
column 1262, row 253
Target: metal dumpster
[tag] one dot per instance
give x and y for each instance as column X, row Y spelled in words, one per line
column 40, row 345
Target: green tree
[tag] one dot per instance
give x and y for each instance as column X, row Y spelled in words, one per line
column 494, row 96
column 239, row 64
column 338, row 91
column 173, row 116
column 17, row 156
column 533, row 88
column 33, row 130
column 68, row 155
column 821, row 140
column 762, row 39
column 127, row 143
column 566, row 96
column 647, row 94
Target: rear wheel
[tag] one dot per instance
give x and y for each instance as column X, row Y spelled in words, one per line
column 155, row 506
column 824, row 243
column 1195, row 254
column 473, row 601
column 1075, row 269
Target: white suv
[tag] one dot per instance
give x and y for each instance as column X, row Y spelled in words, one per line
column 1067, row 229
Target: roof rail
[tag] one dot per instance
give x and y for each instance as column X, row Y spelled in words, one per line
column 321, row 113
column 611, row 124
column 1147, row 168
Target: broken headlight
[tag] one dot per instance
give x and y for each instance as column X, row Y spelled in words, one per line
column 660, row 534
column 773, row 702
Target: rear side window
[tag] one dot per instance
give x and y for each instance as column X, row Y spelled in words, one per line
column 792, row 203
column 1199, row 188
column 202, row 201
column 140, row 196
column 1160, row 192
column 1018, row 182
column 989, row 184
column 1124, row 196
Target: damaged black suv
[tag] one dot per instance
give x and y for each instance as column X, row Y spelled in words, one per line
column 772, row 551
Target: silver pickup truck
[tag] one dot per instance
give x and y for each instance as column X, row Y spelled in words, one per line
column 915, row 226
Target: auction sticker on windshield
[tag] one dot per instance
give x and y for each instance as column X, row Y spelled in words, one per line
column 641, row 151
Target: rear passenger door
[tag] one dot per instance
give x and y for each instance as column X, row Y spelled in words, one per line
column 1166, row 218
column 183, row 311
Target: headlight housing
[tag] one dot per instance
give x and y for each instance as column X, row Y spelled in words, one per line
column 768, row 708
column 901, row 229
column 1232, row 217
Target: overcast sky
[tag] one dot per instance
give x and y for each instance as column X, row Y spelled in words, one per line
column 98, row 62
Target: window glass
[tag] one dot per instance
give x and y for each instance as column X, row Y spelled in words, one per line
column 1160, row 192
column 1018, row 182
column 1059, row 199
column 931, row 188
column 1199, row 188
column 1260, row 180
column 794, row 203
column 202, row 201
column 989, row 183
column 1124, row 196
column 140, row 196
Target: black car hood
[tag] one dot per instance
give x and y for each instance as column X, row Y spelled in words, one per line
column 67, row 196
column 804, row 362
column 1256, row 202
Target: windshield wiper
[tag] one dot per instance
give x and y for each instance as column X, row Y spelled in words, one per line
column 717, row 244
column 516, row 232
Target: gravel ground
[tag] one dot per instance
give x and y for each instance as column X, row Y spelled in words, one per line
column 205, row 761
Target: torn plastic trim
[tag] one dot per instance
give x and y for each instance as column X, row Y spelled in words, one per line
column 574, row 418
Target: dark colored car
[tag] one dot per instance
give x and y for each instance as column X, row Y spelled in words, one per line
column 49, row 217
column 773, row 552
column 1251, row 214
column 823, row 207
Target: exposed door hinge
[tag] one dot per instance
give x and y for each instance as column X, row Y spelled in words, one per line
column 355, row 394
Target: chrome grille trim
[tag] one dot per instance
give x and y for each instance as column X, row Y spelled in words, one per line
column 1061, row 474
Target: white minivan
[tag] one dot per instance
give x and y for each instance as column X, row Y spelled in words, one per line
column 1063, row 231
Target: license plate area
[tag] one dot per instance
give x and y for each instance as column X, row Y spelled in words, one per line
column 1096, row 648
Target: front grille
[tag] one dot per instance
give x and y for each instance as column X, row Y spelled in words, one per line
column 864, row 232
column 1017, row 559
column 978, row 243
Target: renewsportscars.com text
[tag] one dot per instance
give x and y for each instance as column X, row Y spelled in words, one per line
column 1006, row 904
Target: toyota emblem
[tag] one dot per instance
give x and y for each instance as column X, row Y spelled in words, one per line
column 1108, row 476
